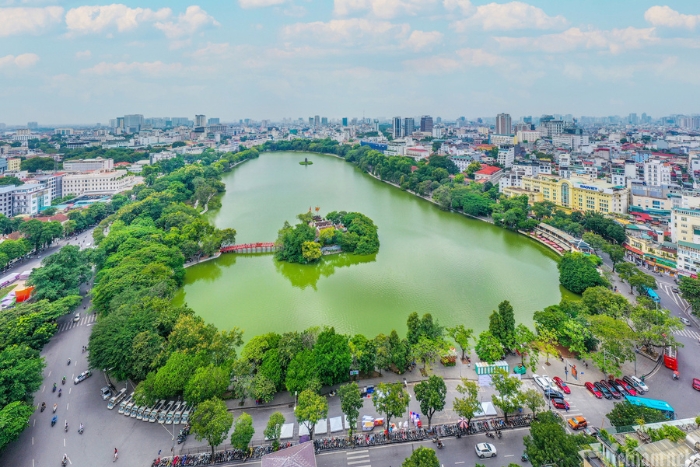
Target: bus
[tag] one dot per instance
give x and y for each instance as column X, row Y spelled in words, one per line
column 653, row 295
column 662, row 406
column 671, row 358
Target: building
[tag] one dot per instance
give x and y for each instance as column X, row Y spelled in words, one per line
column 685, row 225
column 133, row 123
column 14, row 165
column 417, row 152
column 6, row 200
column 32, row 125
column 488, row 173
column 503, row 124
column 317, row 121
column 688, row 260
column 200, row 120
column 527, row 136
column 426, row 124
column 462, row 162
column 657, row 172
column 214, row 121
column 3, row 165
column 579, row 193
column 162, row 156
column 502, row 139
column 396, row 128
column 409, row 126
column 30, row 199
column 63, row 131
column 53, row 183
column 506, row 156
column 345, row 121
column 86, row 165
column 97, row 182
column 22, row 134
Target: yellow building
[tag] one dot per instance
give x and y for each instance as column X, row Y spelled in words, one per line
column 578, row 193
column 13, row 165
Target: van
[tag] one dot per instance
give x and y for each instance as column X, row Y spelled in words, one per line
column 171, row 414
column 154, row 413
column 135, row 411
column 164, row 412
column 144, row 412
column 124, row 402
column 178, row 413
column 129, row 405
column 116, row 399
column 186, row 416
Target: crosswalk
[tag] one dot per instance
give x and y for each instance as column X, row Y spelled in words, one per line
column 668, row 289
column 687, row 333
column 358, row 458
column 85, row 320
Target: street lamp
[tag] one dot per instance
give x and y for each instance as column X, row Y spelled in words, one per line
column 172, row 438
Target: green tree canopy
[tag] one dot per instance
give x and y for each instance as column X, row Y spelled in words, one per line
column 548, row 443
column 310, row 409
column 422, row 457
column 391, row 400
column 273, row 430
column 431, row 396
column 577, row 273
column 211, row 421
column 488, row 347
column 350, row 403
column 243, row 432
column 627, row 414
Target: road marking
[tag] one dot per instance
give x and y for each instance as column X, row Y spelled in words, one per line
column 42, row 388
column 33, row 424
column 69, row 390
column 91, row 324
column 357, row 457
column 64, row 442
column 67, row 405
column 460, row 462
column 510, row 455
column 48, row 374
column 32, row 441
column 356, row 452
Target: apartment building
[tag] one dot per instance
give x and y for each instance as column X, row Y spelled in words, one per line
column 53, row 182
column 685, row 225
column 14, row 165
column 86, row 165
column 657, row 173
column 30, row 198
column 6, row 200
column 97, row 182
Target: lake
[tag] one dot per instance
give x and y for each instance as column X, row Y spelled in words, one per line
column 429, row 261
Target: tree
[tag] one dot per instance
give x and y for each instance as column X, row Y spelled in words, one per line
column 422, row 457
column 548, row 443
column 509, row 397
column 469, row 405
column 546, row 341
column 302, row 373
column 273, row 430
column 616, row 254
column 262, row 389
column 20, row 373
column 391, row 400
column 242, row 432
column 207, row 382
column 427, row 350
column 616, row 343
column 332, row 357
column 603, row 301
column 642, row 282
column 690, row 291
column 311, row 251
column 350, row 403
column 595, row 241
column 577, row 273
column 14, row 418
column 431, row 396
column 211, row 421
column 502, row 324
column 524, row 340
column 488, row 348
column 461, row 336
column 654, row 326
column 543, row 209
column 626, row 270
column 443, row 197
column 310, row 409
column 627, row 414
column 472, row 168
column 533, row 400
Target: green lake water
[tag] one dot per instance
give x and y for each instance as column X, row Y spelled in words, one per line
column 443, row 263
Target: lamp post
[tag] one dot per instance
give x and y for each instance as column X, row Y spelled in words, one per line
column 172, row 438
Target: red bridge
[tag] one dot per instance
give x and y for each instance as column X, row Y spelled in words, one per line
column 249, row 248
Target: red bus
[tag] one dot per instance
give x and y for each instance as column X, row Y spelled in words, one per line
column 671, row 358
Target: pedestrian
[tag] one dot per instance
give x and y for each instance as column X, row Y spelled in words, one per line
column 159, row 452
column 567, row 407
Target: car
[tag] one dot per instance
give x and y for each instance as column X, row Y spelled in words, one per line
column 76, row 318
column 576, row 423
column 620, row 388
column 562, row 385
column 613, row 392
column 676, row 290
column 82, row 376
column 560, row 403
column 627, row 387
column 685, row 321
column 485, row 450
column 591, row 387
column 591, row 431
column 552, row 393
column 541, row 382
column 106, row 393
column 636, row 383
column 604, row 390
column 696, row 384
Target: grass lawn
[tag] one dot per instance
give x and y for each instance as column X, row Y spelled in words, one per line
column 5, row 290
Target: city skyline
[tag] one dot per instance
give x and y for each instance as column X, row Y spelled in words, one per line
column 67, row 62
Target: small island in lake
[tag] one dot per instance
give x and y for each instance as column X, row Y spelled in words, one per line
column 315, row 236
column 306, row 161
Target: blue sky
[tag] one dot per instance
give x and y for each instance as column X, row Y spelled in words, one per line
column 85, row 61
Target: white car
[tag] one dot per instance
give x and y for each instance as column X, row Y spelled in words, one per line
column 541, row 382
column 640, row 383
column 685, row 321
column 485, row 450
column 76, row 317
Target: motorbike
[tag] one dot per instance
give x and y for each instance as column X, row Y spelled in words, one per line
column 81, row 429
column 64, row 462
column 55, row 406
column 498, row 433
column 489, row 434
column 59, row 393
column 69, row 362
column 63, row 381
column 54, row 387
column 43, row 406
column 440, row 445
column 54, row 420
column 524, row 458
column 65, row 427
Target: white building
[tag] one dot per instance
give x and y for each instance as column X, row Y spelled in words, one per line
column 502, row 139
column 97, row 182
column 657, row 173
column 6, row 200
column 688, row 258
column 506, row 156
column 30, row 199
column 86, row 165
column 162, row 156
column 529, row 136
column 572, row 141
column 462, row 162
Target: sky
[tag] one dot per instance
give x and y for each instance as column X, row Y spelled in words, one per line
column 86, row 62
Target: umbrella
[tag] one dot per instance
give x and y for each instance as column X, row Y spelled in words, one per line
column 462, row 424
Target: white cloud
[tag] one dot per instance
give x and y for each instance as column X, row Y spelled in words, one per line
column 156, row 68
column 464, row 6
column 94, row 19
column 18, row 61
column 385, row 9
column 82, row 55
column 615, row 40
column 259, row 3
column 665, row 16
column 346, row 31
column 28, row 20
column 508, row 16
column 212, row 50
column 187, row 23
column 422, row 40
column 459, row 60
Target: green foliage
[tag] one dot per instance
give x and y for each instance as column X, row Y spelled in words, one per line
column 603, row 301
column 310, row 409
column 488, row 348
column 262, row 389
column 422, row 457
column 469, row 405
column 61, row 274
column 311, row 251
column 243, row 432
column 616, row 343
column 391, row 400
column 211, row 421
column 462, row 336
column 332, row 357
column 350, row 403
column 431, row 396
column 533, row 400
column 14, row 418
column 627, row 414
column 577, row 273
column 509, row 397
column 302, row 373
column 502, row 324
column 37, row 163
column 20, row 374
column 207, row 382
column 273, row 430
column 10, row 180
column 690, row 291
column 548, row 443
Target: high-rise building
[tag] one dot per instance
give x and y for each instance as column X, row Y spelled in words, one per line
column 32, row 125
column 396, row 128
column 528, row 119
column 311, row 121
column 317, row 121
column 200, row 120
column 438, row 120
column 632, row 119
column 657, row 173
column 214, row 121
column 426, row 124
column 503, row 124
column 409, row 126
column 181, row 121
column 324, row 121
column 345, row 121
column 132, row 123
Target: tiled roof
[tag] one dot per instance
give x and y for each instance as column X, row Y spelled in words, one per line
column 301, row 455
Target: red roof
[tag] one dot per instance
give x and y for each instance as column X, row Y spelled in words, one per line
column 488, row 170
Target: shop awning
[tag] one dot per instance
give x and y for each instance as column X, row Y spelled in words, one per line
column 634, row 250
